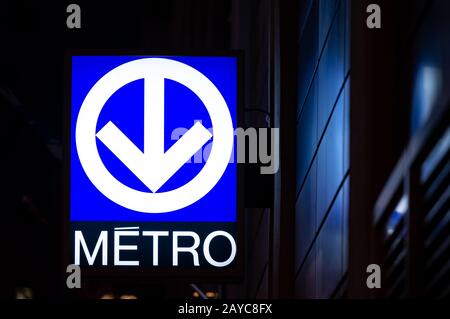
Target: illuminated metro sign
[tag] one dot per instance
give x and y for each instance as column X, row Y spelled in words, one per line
column 152, row 183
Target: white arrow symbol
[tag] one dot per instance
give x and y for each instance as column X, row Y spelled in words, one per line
column 154, row 167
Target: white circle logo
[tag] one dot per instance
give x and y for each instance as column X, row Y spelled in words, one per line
column 154, row 166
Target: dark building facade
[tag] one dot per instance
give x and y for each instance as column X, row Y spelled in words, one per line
column 368, row 102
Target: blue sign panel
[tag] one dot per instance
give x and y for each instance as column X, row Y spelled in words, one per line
column 153, row 176
column 152, row 139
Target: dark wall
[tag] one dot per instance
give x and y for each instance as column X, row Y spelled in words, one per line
column 251, row 32
column 322, row 148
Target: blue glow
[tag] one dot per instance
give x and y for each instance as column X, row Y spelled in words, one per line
column 397, row 215
column 427, row 87
column 125, row 109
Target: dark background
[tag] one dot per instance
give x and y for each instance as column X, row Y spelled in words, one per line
column 361, row 112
